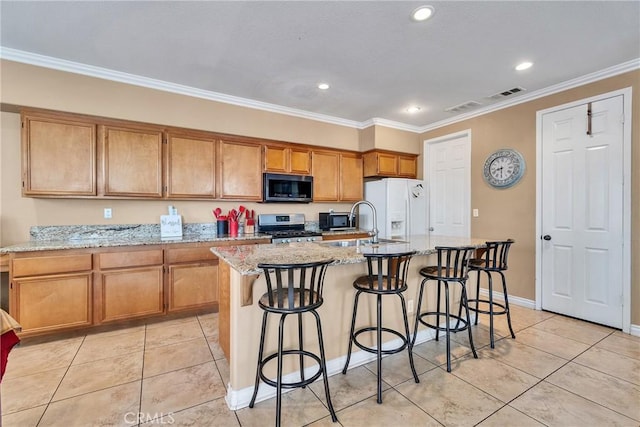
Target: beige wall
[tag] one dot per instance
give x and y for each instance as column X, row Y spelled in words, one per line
column 511, row 212
column 502, row 213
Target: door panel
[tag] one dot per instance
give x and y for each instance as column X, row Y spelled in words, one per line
column 449, row 185
column 582, row 200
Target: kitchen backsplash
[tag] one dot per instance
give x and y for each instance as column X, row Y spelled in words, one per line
column 128, row 231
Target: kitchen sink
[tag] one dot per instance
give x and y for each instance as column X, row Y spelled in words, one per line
column 360, row 242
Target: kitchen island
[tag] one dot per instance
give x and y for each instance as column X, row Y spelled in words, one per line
column 242, row 283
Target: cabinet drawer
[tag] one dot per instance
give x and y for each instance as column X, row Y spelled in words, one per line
column 177, row 255
column 129, row 259
column 40, row 265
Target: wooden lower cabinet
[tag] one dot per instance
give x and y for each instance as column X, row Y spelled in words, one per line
column 130, row 284
column 49, row 303
column 192, row 286
column 131, row 293
column 192, row 281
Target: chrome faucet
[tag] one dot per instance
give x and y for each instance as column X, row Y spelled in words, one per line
column 374, row 231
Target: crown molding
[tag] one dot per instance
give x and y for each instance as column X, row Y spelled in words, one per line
column 117, row 76
column 615, row 70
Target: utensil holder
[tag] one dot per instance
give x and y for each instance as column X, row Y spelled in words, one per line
column 222, row 227
column 233, row 228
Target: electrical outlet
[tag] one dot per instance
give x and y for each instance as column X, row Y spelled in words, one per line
column 410, row 306
column 476, row 213
column 107, row 213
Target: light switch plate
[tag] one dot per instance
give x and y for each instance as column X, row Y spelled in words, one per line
column 476, row 213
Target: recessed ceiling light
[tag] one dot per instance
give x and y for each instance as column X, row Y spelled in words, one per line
column 523, row 66
column 422, row 13
column 413, row 109
column 323, row 86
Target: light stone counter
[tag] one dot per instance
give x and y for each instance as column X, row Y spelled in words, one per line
column 245, row 259
column 51, row 238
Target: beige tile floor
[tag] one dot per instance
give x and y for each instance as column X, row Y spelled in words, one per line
column 557, row 372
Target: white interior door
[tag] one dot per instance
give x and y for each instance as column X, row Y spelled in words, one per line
column 582, row 211
column 447, row 166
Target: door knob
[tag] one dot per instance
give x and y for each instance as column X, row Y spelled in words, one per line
column 430, row 228
column 546, row 237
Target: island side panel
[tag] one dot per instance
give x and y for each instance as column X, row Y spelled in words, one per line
column 224, row 309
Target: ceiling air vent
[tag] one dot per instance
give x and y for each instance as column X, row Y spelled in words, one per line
column 504, row 94
column 462, row 107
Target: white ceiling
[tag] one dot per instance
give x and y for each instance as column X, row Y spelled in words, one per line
column 272, row 54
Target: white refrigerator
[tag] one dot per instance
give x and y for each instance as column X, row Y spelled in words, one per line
column 402, row 207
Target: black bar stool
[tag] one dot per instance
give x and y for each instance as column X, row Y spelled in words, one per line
column 387, row 276
column 292, row 289
column 453, row 267
column 494, row 260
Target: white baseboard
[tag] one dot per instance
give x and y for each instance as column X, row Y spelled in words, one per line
column 522, row 302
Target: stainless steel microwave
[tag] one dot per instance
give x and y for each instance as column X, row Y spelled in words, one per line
column 335, row 221
column 287, row 188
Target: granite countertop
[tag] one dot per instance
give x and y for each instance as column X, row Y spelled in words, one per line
column 104, row 242
column 49, row 238
column 245, row 259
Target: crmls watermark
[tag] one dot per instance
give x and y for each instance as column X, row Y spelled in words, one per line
column 147, row 417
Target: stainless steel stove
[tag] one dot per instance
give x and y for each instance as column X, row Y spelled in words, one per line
column 286, row 228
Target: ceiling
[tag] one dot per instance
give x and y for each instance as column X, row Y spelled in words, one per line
column 377, row 61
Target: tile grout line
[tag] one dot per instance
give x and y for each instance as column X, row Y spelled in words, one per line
column 60, row 383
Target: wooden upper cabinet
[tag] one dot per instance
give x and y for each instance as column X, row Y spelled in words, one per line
column 381, row 163
column 132, row 161
column 326, row 176
column 58, row 155
column 281, row 159
column 239, row 170
column 337, row 176
column 190, row 166
column 407, row 166
column 351, row 186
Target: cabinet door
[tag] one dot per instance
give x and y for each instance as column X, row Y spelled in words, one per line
column 239, row 170
column 300, row 161
column 351, row 187
column 131, row 293
column 58, row 156
column 326, row 176
column 49, row 303
column 276, row 159
column 132, row 162
column 191, row 167
column 387, row 164
column 407, row 166
column 192, row 286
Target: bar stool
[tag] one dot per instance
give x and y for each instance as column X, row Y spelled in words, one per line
column 452, row 267
column 387, row 274
column 494, row 260
column 292, row 289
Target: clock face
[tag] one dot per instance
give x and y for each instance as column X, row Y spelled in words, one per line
column 504, row 168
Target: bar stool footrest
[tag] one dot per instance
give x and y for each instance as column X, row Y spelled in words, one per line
column 375, row 350
column 297, row 384
column 485, row 301
column 464, row 323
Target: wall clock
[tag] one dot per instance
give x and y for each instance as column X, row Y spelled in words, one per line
column 504, row 168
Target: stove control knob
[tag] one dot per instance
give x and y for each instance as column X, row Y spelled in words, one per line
column 298, row 240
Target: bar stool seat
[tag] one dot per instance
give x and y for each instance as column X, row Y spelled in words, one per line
column 452, row 267
column 493, row 261
column 387, row 274
column 292, row 289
